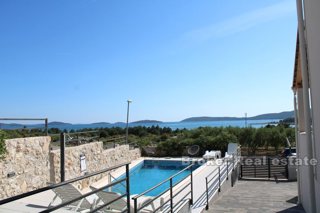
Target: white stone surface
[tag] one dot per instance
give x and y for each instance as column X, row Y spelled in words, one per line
column 28, row 160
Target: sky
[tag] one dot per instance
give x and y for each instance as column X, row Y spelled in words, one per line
column 79, row 61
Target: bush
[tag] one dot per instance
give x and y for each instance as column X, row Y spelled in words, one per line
column 2, row 144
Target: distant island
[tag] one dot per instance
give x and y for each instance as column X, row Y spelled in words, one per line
column 100, row 123
column 268, row 116
column 146, row 121
column 56, row 123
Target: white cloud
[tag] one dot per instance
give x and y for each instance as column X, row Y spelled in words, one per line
column 242, row 22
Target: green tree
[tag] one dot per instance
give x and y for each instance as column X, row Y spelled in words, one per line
column 277, row 139
column 258, row 140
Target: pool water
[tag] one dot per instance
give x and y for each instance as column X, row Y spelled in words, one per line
column 151, row 172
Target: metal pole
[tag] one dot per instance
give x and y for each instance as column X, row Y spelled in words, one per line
column 128, row 188
column 306, row 103
column 127, row 127
column 269, row 168
column 227, row 170
column 287, row 168
column 191, row 179
column 245, row 120
column 255, row 168
column 46, row 126
column 62, row 163
column 219, row 180
column 171, row 196
column 135, row 205
column 233, row 162
column 207, row 194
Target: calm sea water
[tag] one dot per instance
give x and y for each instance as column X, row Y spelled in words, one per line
column 172, row 125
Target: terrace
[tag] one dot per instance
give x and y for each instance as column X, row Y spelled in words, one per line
column 31, row 186
column 78, row 164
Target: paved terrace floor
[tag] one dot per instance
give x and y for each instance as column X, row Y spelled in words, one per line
column 258, row 196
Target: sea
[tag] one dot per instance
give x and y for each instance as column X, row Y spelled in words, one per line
column 172, row 125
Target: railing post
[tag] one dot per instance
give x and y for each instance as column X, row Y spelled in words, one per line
column 233, row 161
column 62, row 149
column 46, row 126
column 219, row 180
column 255, row 169
column 135, row 205
column 227, row 170
column 269, row 168
column 128, row 187
column 171, row 196
column 287, row 168
column 191, row 179
column 207, row 194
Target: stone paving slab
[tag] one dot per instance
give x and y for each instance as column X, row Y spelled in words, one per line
column 258, row 196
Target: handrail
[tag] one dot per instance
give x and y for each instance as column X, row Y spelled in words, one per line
column 162, row 193
column 166, row 180
column 116, row 179
column 84, row 132
column 170, row 189
column 215, row 170
column 17, row 197
column 222, row 173
column 23, row 119
column 108, row 203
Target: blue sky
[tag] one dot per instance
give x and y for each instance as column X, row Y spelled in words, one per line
column 80, row 60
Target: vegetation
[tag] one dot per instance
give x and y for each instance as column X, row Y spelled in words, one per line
column 2, row 144
column 168, row 142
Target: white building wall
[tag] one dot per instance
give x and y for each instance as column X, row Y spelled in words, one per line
column 304, row 174
column 312, row 21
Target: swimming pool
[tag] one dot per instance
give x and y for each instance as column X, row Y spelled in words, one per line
column 149, row 173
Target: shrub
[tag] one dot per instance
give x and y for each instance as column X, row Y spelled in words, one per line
column 2, row 144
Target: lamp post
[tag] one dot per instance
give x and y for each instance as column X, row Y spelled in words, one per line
column 245, row 119
column 127, row 127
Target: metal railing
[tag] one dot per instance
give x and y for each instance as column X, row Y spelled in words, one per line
column 216, row 178
column 75, row 138
column 172, row 195
column 264, row 167
column 53, row 208
column 118, row 140
column 64, row 139
column 122, row 186
column 29, row 119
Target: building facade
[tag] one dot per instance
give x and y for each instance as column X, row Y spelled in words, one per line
column 306, row 85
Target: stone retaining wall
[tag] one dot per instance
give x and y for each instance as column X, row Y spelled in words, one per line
column 96, row 159
column 30, row 164
column 25, row 167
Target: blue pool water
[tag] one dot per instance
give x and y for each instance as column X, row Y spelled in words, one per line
column 151, row 172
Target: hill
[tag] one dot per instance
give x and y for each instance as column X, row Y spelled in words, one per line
column 267, row 116
column 281, row 115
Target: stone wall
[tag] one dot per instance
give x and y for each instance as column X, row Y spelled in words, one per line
column 96, row 159
column 25, row 167
column 30, row 164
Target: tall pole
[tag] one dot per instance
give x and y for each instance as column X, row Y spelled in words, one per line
column 245, row 119
column 127, row 127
